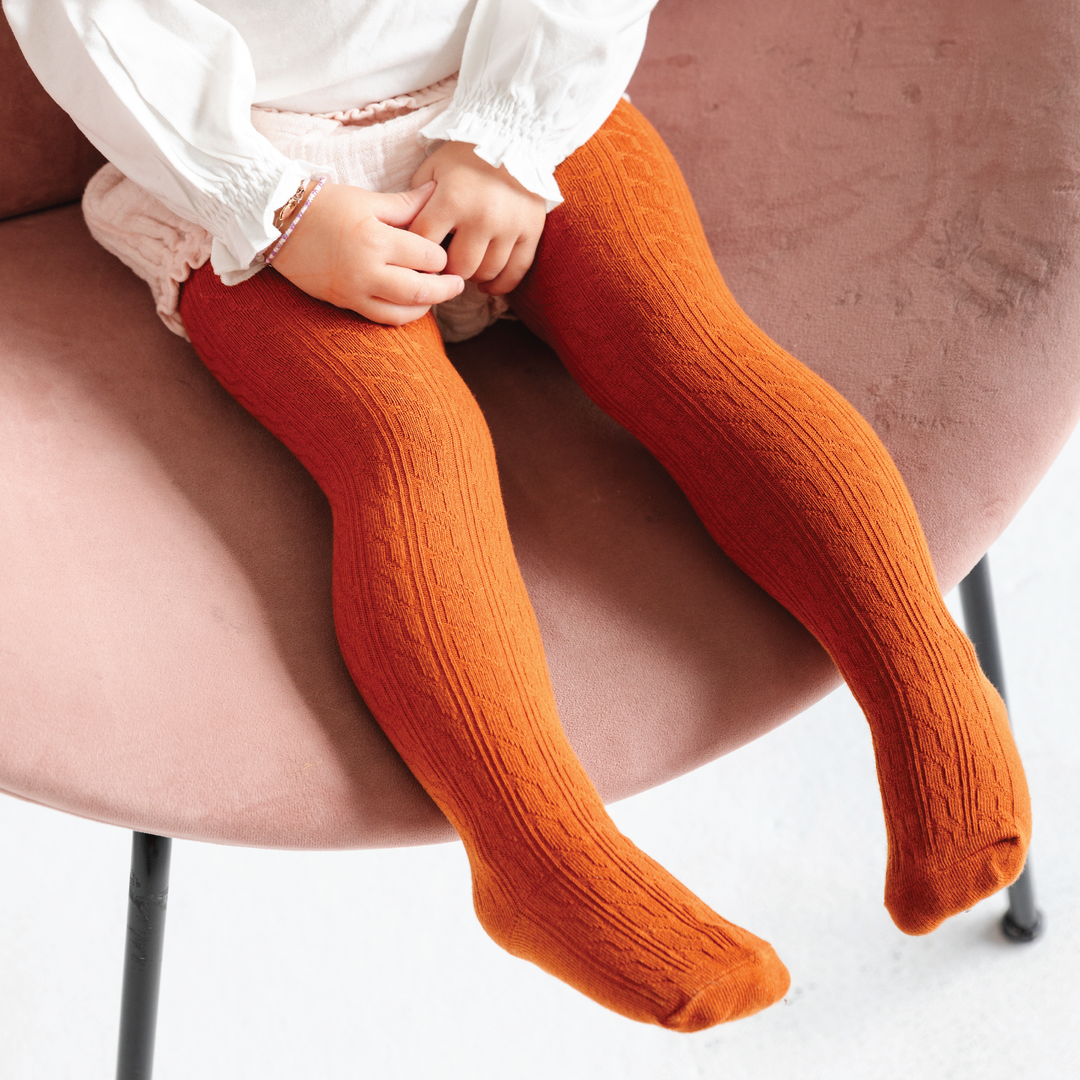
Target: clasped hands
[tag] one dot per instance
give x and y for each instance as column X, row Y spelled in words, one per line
column 381, row 255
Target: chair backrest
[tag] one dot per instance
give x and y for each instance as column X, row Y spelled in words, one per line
column 44, row 159
column 891, row 189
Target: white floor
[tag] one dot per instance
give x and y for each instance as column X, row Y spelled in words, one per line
column 370, row 965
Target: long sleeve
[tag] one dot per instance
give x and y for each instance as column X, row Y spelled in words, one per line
column 538, row 78
column 163, row 88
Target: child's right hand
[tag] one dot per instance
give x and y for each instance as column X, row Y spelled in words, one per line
column 351, row 249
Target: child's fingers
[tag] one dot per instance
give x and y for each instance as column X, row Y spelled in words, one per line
column 401, row 208
column 400, row 248
column 381, row 311
column 467, row 251
column 517, row 265
column 397, row 285
column 435, row 221
column 495, row 258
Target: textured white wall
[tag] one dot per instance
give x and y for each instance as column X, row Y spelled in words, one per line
column 282, row 965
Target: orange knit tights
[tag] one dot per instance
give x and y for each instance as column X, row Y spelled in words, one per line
column 438, row 633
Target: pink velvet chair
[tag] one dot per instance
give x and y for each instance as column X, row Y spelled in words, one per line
column 890, row 189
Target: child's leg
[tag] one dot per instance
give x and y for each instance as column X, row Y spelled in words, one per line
column 440, row 638
column 798, row 490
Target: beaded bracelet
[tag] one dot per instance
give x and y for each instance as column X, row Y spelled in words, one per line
column 271, row 255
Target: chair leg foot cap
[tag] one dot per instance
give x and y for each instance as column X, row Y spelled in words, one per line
column 1015, row 932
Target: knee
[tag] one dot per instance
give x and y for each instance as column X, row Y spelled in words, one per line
column 402, row 419
column 435, row 419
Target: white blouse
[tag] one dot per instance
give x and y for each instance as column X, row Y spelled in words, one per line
column 164, row 88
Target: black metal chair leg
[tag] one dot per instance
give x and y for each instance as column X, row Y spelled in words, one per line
column 148, row 895
column 1023, row 921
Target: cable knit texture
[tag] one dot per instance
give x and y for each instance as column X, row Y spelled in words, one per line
column 798, row 490
column 439, row 636
column 437, row 629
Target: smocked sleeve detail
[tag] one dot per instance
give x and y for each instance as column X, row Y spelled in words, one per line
column 181, row 130
column 538, row 78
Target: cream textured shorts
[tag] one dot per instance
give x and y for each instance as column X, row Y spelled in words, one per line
column 376, row 147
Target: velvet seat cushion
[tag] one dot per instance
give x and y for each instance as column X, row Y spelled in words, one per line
column 891, row 191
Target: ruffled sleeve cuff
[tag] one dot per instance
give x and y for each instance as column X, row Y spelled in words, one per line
column 243, row 226
column 501, row 136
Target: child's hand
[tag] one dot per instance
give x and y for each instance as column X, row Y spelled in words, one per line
column 496, row 223
column 351, row 249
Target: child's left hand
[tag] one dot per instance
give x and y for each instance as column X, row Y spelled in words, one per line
column 496, row 223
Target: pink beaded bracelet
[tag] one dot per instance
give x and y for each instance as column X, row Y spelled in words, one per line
column 271, row 255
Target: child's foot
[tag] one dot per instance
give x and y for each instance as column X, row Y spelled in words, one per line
column 956, row 808
column 613, row 924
